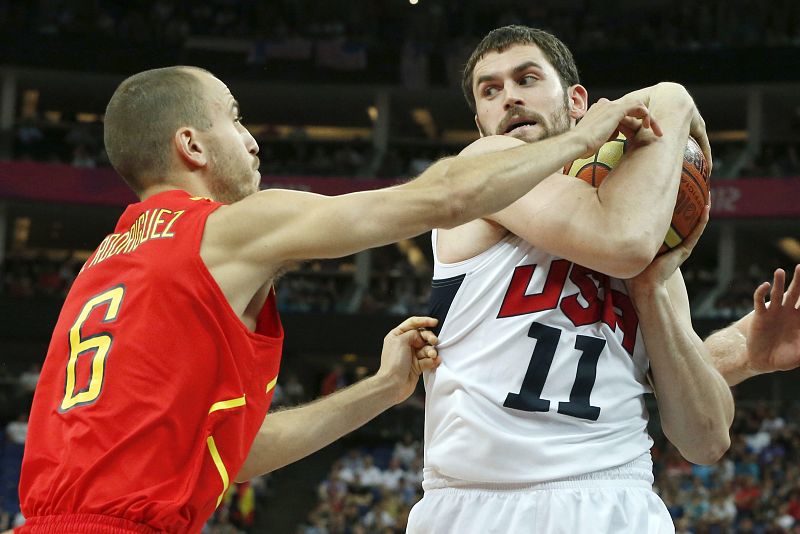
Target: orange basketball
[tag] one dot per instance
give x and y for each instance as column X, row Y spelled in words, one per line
column 692, row 193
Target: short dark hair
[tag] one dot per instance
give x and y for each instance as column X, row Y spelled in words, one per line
column 500, row 39
column 142, row 116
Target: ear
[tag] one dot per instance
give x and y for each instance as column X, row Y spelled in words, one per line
column 478, row 124
column 190, row 148
column 578, row 98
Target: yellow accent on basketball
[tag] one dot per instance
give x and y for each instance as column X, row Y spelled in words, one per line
column 594, row 169
column 673, row 239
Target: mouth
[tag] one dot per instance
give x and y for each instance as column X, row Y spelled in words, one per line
column 518, row 125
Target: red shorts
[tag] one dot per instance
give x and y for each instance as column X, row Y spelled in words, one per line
column 82, row 524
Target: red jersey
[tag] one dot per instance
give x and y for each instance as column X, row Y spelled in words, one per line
column 152, row 390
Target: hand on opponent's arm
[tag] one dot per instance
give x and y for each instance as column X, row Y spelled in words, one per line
column 289, row 435
column 765, row 340
column 695, row 404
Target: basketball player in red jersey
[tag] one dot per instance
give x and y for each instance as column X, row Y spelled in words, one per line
column 163, row 362
column 766, row 339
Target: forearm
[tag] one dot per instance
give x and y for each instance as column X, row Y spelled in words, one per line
column 289, row 435
column 695, row 404
column 487, row 183
column 449, row 193
column 728, row 351
column 640, row 192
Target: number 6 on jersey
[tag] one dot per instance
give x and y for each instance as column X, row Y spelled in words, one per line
column 99, row 343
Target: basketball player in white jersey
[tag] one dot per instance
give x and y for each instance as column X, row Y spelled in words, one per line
column 535, row 419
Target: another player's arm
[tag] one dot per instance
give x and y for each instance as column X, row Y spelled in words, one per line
column 289, row 435
column 267, row 229
column 616, row 228
column 694, row 402
column 766, row 339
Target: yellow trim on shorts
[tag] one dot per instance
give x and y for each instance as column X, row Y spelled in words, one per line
column 223, row 473
column 272, row 384
column 224, row 405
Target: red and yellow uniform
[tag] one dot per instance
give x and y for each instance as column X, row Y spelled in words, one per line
column 153, row 389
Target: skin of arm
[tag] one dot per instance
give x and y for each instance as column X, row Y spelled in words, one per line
column 618, row 227
column 694, row 401
column 244, row 244
column 289, row 435
column 766, row 339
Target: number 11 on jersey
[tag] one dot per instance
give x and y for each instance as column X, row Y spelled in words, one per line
column 530, row 398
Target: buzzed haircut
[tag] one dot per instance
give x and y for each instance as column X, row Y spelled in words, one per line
column 501, row 39
column 142, row 117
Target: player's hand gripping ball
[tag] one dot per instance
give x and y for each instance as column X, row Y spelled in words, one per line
column 692, row 193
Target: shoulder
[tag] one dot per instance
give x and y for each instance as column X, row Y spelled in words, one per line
column 468, row 240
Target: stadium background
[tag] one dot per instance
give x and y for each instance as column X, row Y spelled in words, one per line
column 343, row 96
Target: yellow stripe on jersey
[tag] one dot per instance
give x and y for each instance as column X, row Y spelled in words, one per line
column 673, row 239
column 272, row 384
column 224, row 405
column 223, row 473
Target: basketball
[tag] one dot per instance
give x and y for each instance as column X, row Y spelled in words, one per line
column 692, row 193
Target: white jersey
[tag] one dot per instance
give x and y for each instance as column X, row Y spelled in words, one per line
column 543, row 370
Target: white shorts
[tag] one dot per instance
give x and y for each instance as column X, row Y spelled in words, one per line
column 614, row 501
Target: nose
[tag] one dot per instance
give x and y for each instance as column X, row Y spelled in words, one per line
column 512, row 96
column 250, row 142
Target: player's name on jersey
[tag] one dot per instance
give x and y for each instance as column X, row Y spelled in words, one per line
column 152, row 224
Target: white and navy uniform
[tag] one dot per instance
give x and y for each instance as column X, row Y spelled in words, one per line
column 535, row 421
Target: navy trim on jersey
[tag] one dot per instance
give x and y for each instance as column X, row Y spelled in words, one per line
column 443, row 291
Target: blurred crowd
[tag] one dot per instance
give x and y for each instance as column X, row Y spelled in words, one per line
column 369, row 491
column 81, row 145
column 755, row 488
column 366, row 25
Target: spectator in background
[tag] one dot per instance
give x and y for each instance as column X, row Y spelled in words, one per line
column 28, row 379
column 369, row 475
column 294, row 390
column 334, row 380
column 17, row 430
column 407, row 450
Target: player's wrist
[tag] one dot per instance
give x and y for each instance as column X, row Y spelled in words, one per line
column 386, row 387
column 577, row 143
column 646, row 291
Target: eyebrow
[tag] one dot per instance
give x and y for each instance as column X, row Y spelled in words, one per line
column 516, row 70
column 235, row 107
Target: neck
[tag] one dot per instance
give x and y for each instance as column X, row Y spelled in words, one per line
column 171, row 185
column 156, row 189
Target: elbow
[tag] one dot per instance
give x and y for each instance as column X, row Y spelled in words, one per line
column 244, row 474
column 709, row 452
column 630, row 256
column 703, row 447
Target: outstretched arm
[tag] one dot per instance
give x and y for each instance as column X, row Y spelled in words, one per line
column 694, row 402
column 289, row 435
column 262, row 232
column 765, row 340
